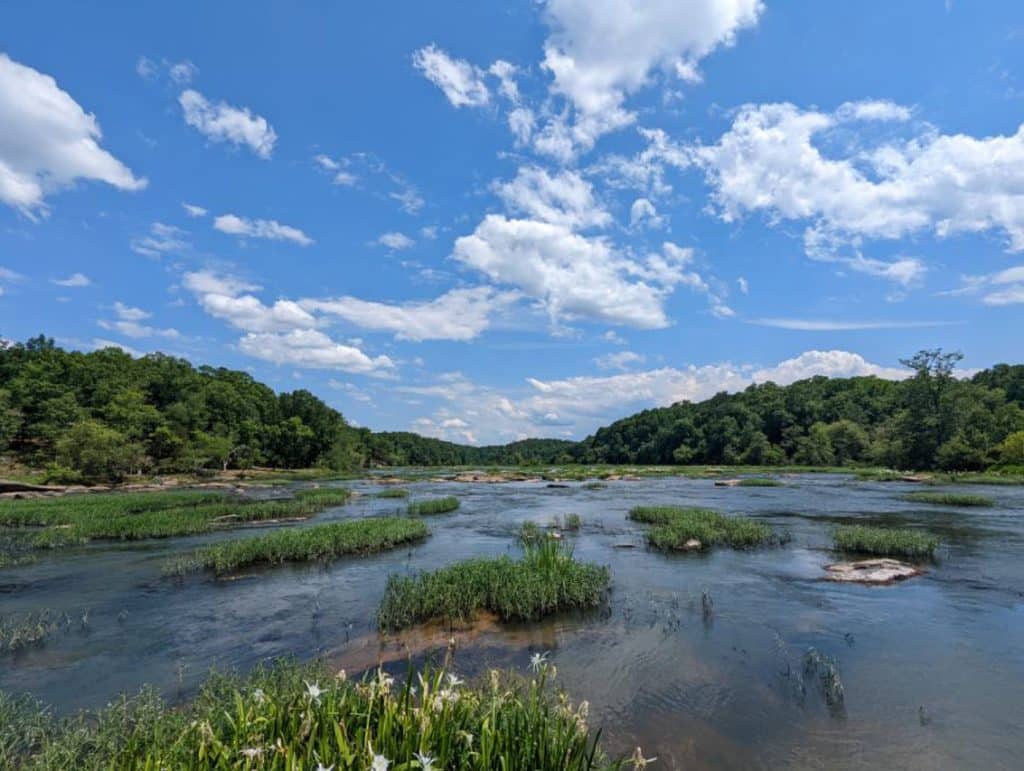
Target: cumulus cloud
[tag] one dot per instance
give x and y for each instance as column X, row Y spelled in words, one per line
column 193, row 211
column 395, row 241
column 48, row 142
column 459, row 314
column 620, row 360
column 75, row 280
column 462, row 82
column 939, row 184
column 312, row 349
column 600, row 52
column 574, row 407
column 643, row 213
column 573, row 276
column 268, row 229
column 221, row 122
column 128, row 323
column 563, row 198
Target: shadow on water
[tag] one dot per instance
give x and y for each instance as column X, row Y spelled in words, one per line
column 701, row 659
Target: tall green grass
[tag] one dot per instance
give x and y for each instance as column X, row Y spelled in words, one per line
column 393, row 492
column 949, row 499
column 546, row 580
column 434, row 506
column 884, row 541
column 304, row 717
column 307, row 544
column 77, row 519
column 674, row 526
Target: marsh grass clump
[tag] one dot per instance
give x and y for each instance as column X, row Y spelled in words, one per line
column 595, row 485
column 393, row 492
column 292, row 716
column 308, row 544
column 434, row 506
column 572, row 522
column 530, row 533
column 675, row 526
column 759, row 482
column 949, row 499
column 546, row 580
column 29, row 630
column 77, row 519
column 826, row 672
column 884, row 541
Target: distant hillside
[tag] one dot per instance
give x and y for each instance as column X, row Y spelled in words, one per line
column 105, row 415
column 931, row 420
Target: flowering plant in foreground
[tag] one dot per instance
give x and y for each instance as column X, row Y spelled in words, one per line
column 297, row 718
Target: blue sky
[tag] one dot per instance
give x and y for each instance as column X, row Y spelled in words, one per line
column 519, row 219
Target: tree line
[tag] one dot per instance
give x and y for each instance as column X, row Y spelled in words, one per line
column 105, row 415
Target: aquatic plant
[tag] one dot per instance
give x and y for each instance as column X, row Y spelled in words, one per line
column 291, row 716
column 884, row 541
column 393, row 492
column 307, row 544
column 759, row 482
column 546, row 580
column 530, row 533
column 949, row 499
column 595, row 485
column 572, row 522
column 77, row 519
column 434, row 505
column 676, row 526
column 826, row 672
column 28, row 630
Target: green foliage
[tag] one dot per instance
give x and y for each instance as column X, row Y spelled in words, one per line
column 546, row 580
column 1011, row 450
column 572, row 522
column 884, row 541
column 949, row 499
column 308, row 544
column 434, row 505
column 759, row 482
column 290, row 716
column 76, row 519
column 393, row 492
column 929, row 421
column 674, row 526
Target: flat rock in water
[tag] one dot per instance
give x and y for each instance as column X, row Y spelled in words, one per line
column 873, row 571
column 726, row 482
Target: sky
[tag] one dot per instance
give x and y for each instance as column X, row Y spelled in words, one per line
column 491, row 221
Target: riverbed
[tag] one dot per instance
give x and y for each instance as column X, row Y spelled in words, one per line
column 698, row 658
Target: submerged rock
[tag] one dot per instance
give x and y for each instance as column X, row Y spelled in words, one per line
column 873, row 571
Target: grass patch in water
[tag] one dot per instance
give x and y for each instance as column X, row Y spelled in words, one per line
column 674, row 526
column 77, row 519
column 434, row 506
column 307, row 544
column 949, row 499
column 393, row 492
column 546, row 580
column 291, row 716
column 884, row 541
column 759, row 482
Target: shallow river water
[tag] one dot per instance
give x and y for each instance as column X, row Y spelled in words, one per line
column 932, row 668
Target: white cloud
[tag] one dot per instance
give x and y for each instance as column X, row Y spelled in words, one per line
column 268, row 229
column 312, row 349
column 645, row 171
column 182, row 72
column 206, row 281
column 521, row 122
column 48, row 142
column 460, row 81
column 576, row 406
column 874, row 110
column 459, row 314
column 643, row 213
column 136, row 330
column 129, row 313
column 1005, row 287
column 831, row 325
column 338, row 169
column 601, row 51
column 223, row 297
column 193, row 211
column 99, row 343
column 75, row 280
column 942, row 184
column 223, row 123
column 408, row 197
column 620, row 360
column 162, row 239
column 743, row 284
column 570, row 275
column 506, row 73
column 564, row 198
column 395, row 241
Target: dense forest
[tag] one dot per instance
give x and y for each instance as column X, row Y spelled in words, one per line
column 105, row 415
column 931, row 420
